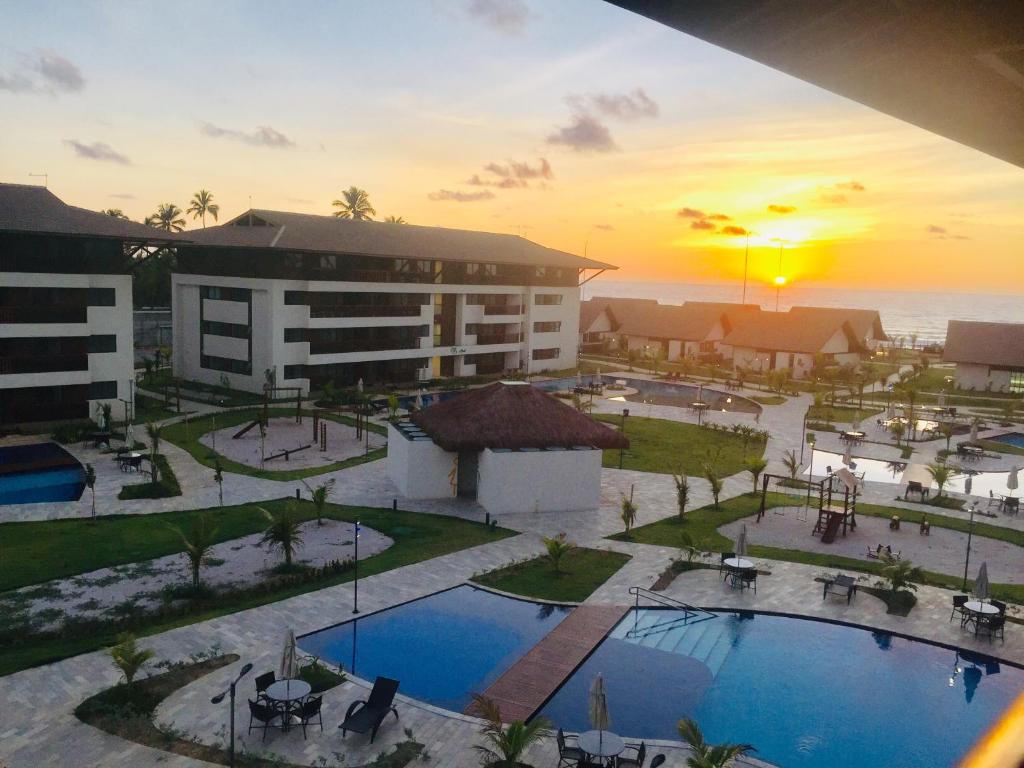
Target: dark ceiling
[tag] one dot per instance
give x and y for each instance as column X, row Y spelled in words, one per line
column 952, row 67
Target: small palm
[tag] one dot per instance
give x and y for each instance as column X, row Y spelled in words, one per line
column 128, row 657
column 202, row 204
column 284, row 532
column 198, row 544
column 167, row 218
column 354, row 204
column 706, row 755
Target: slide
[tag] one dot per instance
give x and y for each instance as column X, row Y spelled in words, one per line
column 834, row 520
column 244, row 429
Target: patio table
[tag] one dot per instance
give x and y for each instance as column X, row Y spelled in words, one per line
column 978, row 611
column 738, row 563
column 284, row 693
column 601, row 744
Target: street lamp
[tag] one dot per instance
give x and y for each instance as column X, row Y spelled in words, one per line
column 220, row 697
column 355, row 565
column 810, row 469
column 968, row 483
column 625, row 413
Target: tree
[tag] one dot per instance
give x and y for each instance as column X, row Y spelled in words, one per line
column 558, row 547
column 354, row 204
column 117, row 213
column 395, row 220
column 791, row 463
column 198, row 542
column 202, row 204
column 628, row 512
column 283, row 532
column 687, row 547
column 154, row 432
column 128, row 657
column 319, row 497
column 656, row 359
column 901, row 574
column 90, row 482
column 715, row 481
column 940, row 474
column 504, row 745
column 167, row 218
column 897, row 428
column 682, row 492
column 218, row 478
column 947, row 429
column 708, row 755
column 755, row 467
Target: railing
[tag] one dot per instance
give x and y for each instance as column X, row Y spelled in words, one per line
column 504, row 338
column 503, row 309
column 366, row 310
column 670, row 602
column 46, row 314
column 43, row 364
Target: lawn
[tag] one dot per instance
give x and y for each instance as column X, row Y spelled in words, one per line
column 768, row 399
column 39, row 551
column 846, row 414
column 186, row 435
column 582, row 571
column 659, row 445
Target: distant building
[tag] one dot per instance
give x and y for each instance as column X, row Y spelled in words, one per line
column 509, row 446
column 866, row 323
column 597, row 323
column 988, row 356
column 65, row 306
column 319, row 299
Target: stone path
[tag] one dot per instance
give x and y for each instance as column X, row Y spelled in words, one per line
column 285, row 434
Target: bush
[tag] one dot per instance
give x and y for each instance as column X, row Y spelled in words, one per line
column 72, row 432
column 166, row 487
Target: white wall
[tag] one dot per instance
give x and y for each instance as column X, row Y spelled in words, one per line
column 546, row 481
column 981, row 378
column 419, row 469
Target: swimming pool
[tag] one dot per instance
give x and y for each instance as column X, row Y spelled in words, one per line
column 805, row 693
column 443, row 648
column 1015, row 439
column 39, row 472
column 663, row 393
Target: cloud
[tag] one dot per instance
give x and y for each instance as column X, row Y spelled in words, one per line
column 960, row 237
column 44, row 72
column 719, row 217
column 773, row 208
column 584, row 134
column 851, row 186
column 934, row 229
column 514, row 174
column 526, row 171
column 97, row 151
column 461, row 197
column 625, row 106
column 506, row 16
column 733, row 230
column 834, row 193
column 691, row 213
column 830, row 197
column 702, row 220
column 605, row 227
column 263, row 136
column 123, row 196
column 701, row 224
column 506, row 183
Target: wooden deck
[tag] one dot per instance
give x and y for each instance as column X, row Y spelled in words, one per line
column 529, row 682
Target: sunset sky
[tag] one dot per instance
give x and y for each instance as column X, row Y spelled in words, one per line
column 574, row 123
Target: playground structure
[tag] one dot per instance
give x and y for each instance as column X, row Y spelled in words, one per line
column 836, row 497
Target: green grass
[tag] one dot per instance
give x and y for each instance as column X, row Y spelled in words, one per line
column 843, row 413
column 659, row 445
column 164, row 488
column 147, row 409
column 996, row 447
column 768, row 399
column 582, row 571
column 186, row 436
column 48, row 549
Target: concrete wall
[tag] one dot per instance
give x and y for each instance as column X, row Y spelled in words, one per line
column 546, row 481
column 419, row 468
column 981, row 378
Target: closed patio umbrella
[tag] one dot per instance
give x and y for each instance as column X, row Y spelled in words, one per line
column 598, row 709
column 1011, row 479
column 289, row 667
column 129, row 437
column 848, row 455
column 579, row 379
column 974, row 430
column 359, row 386
column 741, row 542
column 941, row 400
column 981, row 583
column 419, row 400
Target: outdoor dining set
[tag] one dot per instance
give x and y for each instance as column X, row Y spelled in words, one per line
column 987, row 618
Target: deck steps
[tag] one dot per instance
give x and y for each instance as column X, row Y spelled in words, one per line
column 709, row 642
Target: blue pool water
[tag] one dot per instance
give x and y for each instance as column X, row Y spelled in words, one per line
column 61, row 483
column 1010, row 438
column 805, row 693
column 442, row 648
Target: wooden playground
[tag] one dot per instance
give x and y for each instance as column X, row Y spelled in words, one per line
column 835, row 497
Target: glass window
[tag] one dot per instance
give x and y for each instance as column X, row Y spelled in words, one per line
column 1017, row 382
column 547, row 299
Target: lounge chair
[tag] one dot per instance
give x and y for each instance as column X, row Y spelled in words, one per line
column 568, row 754
column 309, row 710
column 657, row 760
column 263, row 682
column 843, row 586
column 264, row 715
column 363, row 716
column 991, row 626
column 958, row 607
column 637, row 760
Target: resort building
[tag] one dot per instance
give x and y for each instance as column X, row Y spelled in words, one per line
column 508, row 445
column 65, row 306
column 866, row 323
column 317, row 299
column 989, row 356
column 597, row 324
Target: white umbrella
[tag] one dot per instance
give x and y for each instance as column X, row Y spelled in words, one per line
column 359, row 386
column 981, row 583
column 848, row 455
column 974, row 430
column 856, row 423
column 598, row 376
column 1011, row 479
column 598, row 709
column 100, row 421
column 419, row 400
column 129, row 437
column 741, row 542
column 289, row 668
column 579, row 379
column 942, row 400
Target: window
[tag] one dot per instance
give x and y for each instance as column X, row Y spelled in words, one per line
column 491, row 270
column 540, row 271
column 224, row 294
column 102, row 297
column 545, row 354
column 472, row 269
column 105, row 343
column 296, row 297
column 547, row 299
column 231, row 330
column 293, row 335
column 1017, row 382
column 103, row 390
column 295, row 372
column 553, row 326
column 212, row 363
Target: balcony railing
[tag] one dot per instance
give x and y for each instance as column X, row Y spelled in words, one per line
column 503, row 309
column 366, row 310
column 483, row 369
column 498, row 338
column 43, row 364
column 44, row 314
column 363, row 345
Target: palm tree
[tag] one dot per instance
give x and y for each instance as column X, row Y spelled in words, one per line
column 90, row 481
column 198, row 544
column 687, row 546
column 715, row 481
column 117, row 213
column 628, row 512
column 354, row 204
column 897, row 428
column 503, row 746
column 167, row 218
column 558, row 547
column 940, row 475
column 755, row 467
column 218, row 478
column 947, row 429
column 395, row 220
column 202, row 204
column 682, row 492
column 128, row 657
column 901, row 574
column 708, row 755
column 319, row 496
column 791, row 463
column 154, row 432
column 284, row 532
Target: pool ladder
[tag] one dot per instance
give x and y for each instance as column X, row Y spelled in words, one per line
column 690, row 611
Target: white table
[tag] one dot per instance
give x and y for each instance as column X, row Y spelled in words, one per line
column 738, row 563
column 985, row 609
column 603, row 744
column 284, row 692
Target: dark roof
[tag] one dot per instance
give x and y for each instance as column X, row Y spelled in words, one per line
column 33, row 209
column 999, row 344
column 591, row 310
column 512, row 415
column 866, row 323
column 692, row 321
column 788, row 332
column 329, row 234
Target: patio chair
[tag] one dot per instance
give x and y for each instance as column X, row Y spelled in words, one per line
column 309, row 710
column 657, row 760
column 913, row 486
column 1000, row 605
column 263, row 682
column 992, row 626
column 746, row 579
column 637, row 760
column 721, row 562
column 264, row 715
column 958, row 607
column 568, row 754
column 843, row 586
column 363, row 716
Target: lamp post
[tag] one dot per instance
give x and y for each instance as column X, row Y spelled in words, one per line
column 810, row 468
column 803, row 431
column 970, row 530
column 625, row 413
column 746, row 261
column 220, row 697
column 355, row 602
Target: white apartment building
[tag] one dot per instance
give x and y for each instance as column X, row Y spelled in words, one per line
column 318, row 298
column 66, row 341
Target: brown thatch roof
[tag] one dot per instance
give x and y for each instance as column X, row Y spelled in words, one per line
column 512, row 415
column 788, row 332
column 995, row 344
column 692, row 321
column 866, row 323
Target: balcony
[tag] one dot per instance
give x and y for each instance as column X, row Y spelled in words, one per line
column 365, row 310
column 364, row 345
column 43, row 364
column 44, row 314
column 503, row 309
column 498, row 338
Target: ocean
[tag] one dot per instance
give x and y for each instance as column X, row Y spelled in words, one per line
column 902, row 312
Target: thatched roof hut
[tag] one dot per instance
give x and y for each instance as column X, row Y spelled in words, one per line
column 512, row 415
